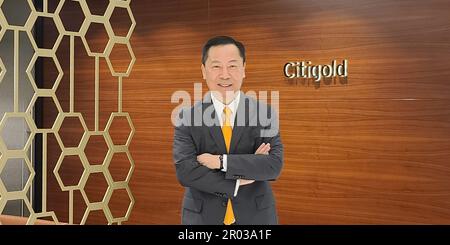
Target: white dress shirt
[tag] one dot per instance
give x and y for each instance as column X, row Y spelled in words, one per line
column 218, row 107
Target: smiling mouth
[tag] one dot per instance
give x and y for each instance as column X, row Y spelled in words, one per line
column 224, row 85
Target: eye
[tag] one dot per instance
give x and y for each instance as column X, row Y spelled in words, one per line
column 233, row 66
column 215, row 67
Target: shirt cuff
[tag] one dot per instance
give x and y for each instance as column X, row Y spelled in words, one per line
column 236, row 188
column 224, row 163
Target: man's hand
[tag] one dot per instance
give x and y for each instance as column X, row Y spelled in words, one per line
column 263, row 149
column 245, row 182
column 208, row 160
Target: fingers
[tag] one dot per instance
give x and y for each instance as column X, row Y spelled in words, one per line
column 266, row 149
column 258, row 151
column 200, row 159
column 245, row 182
column 203, row 158
column 263, row 149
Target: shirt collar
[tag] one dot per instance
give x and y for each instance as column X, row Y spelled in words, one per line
column 219, row 106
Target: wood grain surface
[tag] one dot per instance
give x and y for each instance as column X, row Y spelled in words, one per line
column 371, row 150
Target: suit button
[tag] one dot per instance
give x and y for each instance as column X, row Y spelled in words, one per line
column 224, row 204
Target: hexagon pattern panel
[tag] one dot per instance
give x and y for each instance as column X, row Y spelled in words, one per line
column 78, row 149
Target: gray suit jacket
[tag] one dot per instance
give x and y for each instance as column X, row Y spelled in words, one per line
column 207, row 191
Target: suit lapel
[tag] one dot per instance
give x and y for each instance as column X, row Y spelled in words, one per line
column 241, row 115
column 215, row 130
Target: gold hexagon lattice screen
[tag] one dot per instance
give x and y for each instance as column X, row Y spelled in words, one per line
column 91, row 167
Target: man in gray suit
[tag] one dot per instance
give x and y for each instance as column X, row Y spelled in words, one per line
column 227, row 148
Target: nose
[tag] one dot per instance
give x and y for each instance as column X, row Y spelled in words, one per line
column 224, row 73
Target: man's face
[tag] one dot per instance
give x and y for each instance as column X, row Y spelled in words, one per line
column 224, row 71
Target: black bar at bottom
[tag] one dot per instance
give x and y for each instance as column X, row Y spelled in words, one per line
column 295, row 234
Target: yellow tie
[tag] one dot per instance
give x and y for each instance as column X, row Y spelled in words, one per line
column 227, row 131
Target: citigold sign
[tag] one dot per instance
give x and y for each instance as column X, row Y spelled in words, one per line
column 305, row 69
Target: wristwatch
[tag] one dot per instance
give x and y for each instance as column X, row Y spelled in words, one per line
column 221, row 161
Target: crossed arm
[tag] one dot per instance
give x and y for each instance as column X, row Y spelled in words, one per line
column 212, row 161
column 201, row 171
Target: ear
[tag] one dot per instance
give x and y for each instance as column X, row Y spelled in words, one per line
column 204, row 71
column 244, row 70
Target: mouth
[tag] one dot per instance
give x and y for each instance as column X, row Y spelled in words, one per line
column 224, row 85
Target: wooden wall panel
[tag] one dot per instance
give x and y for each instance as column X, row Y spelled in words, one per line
column 371, row 151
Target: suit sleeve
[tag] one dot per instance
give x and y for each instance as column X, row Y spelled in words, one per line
column 191, row 173
column 257, row 167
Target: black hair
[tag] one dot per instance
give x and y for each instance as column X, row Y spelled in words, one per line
column 222, row 40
